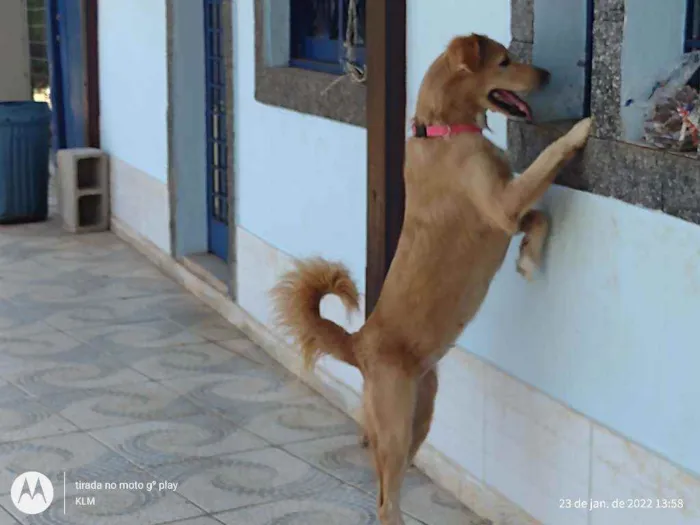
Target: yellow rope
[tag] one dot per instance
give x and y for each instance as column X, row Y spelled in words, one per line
column 352, row 70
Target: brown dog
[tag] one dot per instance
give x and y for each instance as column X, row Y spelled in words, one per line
column 462, row 208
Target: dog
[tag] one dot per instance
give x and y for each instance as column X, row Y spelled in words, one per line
column 463, row 205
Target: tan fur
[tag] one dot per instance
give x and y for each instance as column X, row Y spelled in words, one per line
column 298, row 296
column 462, row 208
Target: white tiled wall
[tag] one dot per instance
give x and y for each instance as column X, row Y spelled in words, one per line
column 512, row 453
column 458, row 425
column 537, row 452
column 141, row 202
column 627, row 473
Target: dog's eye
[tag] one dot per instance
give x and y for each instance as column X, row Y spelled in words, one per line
column 505, row 62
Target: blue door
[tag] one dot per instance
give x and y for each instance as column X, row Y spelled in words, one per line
column 217, row 147
column 66, row 56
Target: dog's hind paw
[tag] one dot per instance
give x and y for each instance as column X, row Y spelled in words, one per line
column 530, row 257
column 526, row 267
column 364, row 440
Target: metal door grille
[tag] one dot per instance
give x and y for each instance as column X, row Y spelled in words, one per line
column 217, row 147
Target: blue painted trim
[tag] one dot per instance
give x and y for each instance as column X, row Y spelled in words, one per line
column 216, row 129
column 323, row 67
column 53, row 51
column 72, row 60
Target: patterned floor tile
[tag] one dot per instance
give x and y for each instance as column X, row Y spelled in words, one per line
column 134, row 504
column 301, row 420
column 342, row 506
column 6, row 518
column 10, row 287
column 24, row 418
column 124, row 338
column 53, row 456
column 210, row 326
column 16, row 321
column 183, row 306
column 156, row 443
column 240, row 394
column 182, row 361
column 198, row 521
column 96, row 408
column 248, row 349
column 87, row 369
column 430, row 504
column 79, row 288
column 22, row 352
column 9, row 392
column 110, row 372
column 61, row 289
column 340, row 456
column 76, row 255
column 111, row 312
column 231, row 482
column 434, row 506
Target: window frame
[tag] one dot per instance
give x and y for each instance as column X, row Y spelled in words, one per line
column 609, row 166
column 323, row 53
column 310, row 92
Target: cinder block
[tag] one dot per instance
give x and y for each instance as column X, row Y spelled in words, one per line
column 83, row 189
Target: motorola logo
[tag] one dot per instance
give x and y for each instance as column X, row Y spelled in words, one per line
column 32, row 492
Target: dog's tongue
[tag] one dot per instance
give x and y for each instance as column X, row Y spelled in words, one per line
column 515, row 100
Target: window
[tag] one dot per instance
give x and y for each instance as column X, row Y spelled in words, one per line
column 692, row 34
column 319, row 34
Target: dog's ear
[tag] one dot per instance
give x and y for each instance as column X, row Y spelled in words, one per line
column 467, row 52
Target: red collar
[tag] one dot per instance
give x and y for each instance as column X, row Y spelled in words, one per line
column 422, row 131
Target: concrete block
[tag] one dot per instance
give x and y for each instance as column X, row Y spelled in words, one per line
column 83, row 189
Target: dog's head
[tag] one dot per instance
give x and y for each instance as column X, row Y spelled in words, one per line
column 473, row 75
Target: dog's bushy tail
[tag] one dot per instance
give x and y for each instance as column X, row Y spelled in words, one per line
column 297, row 299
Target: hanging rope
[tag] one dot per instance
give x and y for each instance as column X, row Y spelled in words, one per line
column 356, row 72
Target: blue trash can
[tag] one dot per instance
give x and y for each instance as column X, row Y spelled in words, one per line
column 24, row 161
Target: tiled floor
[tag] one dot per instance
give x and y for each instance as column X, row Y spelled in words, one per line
column 110, row 372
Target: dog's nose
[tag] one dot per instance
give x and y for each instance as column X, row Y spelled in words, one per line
column 545, row 76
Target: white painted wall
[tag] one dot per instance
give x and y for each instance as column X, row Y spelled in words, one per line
column 133, row 112
column 15, row 81
column 430, row 26
column 134, row 83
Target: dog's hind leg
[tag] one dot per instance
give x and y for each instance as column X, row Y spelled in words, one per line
column 390, row 402
column 423, row 416
column 535, row 226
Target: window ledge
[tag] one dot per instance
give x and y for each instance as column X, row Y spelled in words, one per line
column 312, row 92
column 637, row 174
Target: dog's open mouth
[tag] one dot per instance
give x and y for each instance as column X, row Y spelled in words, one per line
column 511, row 104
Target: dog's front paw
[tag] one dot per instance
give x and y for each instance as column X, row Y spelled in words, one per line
column 578, row 135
